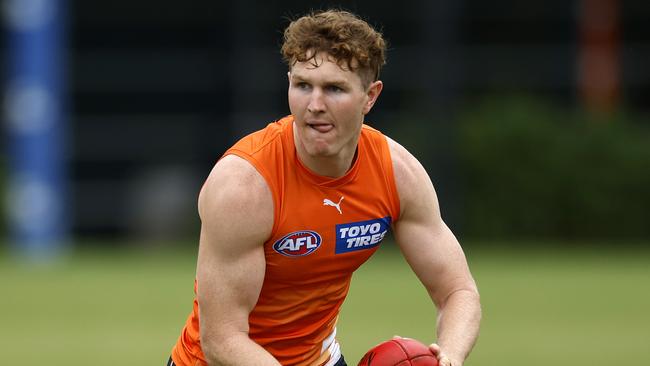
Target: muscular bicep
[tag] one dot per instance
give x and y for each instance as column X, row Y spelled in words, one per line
column 236, row 212
column 428, row 245
column 435, row 256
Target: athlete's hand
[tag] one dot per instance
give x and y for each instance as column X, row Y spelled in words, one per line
column 443, row 360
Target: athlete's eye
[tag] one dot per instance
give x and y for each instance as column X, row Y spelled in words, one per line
column 334, row 89
column 302, row 85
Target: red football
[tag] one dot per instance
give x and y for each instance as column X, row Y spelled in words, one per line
column 399, row 352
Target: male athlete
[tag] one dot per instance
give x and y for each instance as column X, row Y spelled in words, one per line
column 289, row 212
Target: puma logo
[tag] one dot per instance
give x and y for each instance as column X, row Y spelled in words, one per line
column 327, row 202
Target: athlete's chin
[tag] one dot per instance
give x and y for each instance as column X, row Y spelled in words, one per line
column 321, row 147
column 320, row 150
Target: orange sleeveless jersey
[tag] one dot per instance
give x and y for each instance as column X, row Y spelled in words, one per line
column 323, row 230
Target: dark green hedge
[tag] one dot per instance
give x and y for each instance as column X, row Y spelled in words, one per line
column 3, row 198
column 532, row 169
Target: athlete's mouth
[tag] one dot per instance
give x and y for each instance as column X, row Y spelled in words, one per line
column 321, row 126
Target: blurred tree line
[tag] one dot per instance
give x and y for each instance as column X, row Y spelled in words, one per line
column 3, row 196
column 533, row 169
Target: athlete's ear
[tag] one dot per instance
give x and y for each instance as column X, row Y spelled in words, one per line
column 372, row 94
column 289, row 76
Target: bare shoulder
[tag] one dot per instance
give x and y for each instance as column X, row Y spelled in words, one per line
column 236, row 197
column 412, row 181
column 405, row 165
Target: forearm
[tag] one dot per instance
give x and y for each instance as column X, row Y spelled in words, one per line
column 458, row 325
column 237, row 350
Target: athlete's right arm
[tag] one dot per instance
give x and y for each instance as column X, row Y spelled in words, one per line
column 236, row 210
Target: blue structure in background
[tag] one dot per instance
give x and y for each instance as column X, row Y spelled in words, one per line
column 34, row 110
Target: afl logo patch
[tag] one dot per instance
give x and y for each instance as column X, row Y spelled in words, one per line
column 298, row 243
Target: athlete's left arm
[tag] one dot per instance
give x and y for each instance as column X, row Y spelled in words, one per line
column 436, row 257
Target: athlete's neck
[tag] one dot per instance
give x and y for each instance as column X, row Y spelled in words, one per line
column 332, row 166
column 327, row 166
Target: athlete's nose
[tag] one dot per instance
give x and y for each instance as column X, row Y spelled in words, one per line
column 316, row 104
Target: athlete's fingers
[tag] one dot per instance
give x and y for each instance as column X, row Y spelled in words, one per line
column 435, row 348
column 442, row 359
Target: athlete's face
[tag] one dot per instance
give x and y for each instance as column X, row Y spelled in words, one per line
column 328, row 104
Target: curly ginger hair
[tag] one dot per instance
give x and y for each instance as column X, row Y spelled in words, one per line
column 349, row 40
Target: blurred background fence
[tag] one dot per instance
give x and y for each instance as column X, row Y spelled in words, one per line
column 531, row 117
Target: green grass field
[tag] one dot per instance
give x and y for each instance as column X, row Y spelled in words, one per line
column 544, row 306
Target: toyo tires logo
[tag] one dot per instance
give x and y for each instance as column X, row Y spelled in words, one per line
column 361, row 235
column 298, row 243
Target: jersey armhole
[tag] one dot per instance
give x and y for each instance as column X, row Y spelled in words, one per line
column 390, row 178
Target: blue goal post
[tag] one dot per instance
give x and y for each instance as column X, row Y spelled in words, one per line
column 35, row 121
